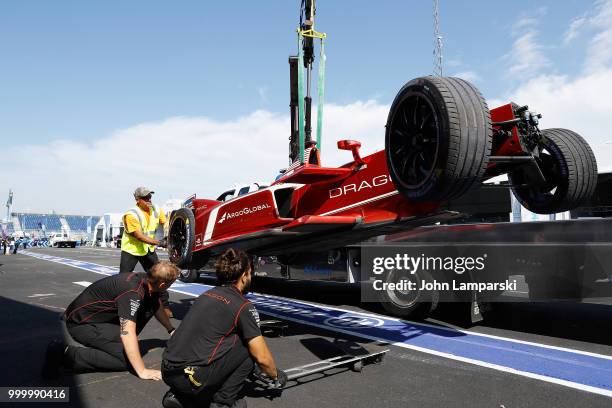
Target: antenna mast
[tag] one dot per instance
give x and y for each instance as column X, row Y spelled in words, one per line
column 437, row 39
column 9, row 202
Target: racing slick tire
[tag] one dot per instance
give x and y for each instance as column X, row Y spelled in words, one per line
column 570, row 169
column 438, row 138
column 180, row 237
column 413, row 304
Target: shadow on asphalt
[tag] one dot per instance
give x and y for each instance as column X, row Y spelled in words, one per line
column 147, row 345
column 321, row 347
column 26, row 330
column 180, row 307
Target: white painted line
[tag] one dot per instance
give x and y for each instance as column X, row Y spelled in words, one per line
column 36, row 295
column 80, row 249
column 44, row 258
column 82, row 283
column 48, row 306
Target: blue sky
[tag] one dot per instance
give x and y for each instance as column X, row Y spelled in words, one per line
column 81, row 69
column 78, row 75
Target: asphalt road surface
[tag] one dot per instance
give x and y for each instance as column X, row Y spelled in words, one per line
column 523, row 355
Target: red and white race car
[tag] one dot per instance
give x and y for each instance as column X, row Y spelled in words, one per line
column 440, row 140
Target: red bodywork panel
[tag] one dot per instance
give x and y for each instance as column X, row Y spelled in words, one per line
column 305, row 203
column 512, row 145
column 367, row 192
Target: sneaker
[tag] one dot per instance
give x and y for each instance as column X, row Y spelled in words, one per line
column 171, row 401
column 53, row 359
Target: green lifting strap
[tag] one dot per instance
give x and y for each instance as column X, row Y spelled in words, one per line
column 321, row 86
column 301, row 98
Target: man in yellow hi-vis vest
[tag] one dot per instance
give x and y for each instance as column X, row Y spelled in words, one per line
column 138, row 241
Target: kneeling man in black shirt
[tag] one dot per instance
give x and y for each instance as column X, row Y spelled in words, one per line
column 107, row 317
column 211, row 353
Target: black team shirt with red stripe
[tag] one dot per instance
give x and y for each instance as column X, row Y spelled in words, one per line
column 105, row 301
column 215, row 323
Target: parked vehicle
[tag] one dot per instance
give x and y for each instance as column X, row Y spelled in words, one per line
column 62, row 240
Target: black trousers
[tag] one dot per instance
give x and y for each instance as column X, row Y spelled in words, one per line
column 221, row 381
column 128, row 263
column 98, row 346
column 103, row 349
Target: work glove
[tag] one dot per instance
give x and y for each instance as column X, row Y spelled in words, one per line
column 163, row 242
column 281, row 379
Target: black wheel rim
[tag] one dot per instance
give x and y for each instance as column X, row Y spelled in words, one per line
column 414, row 139
column 177, row 238
column 552, row 173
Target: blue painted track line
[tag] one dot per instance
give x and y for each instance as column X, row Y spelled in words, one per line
column 572, row 368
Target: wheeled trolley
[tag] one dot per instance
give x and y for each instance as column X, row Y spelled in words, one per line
column 356, row 363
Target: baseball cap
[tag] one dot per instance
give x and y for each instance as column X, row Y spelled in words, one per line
column 142, row 192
